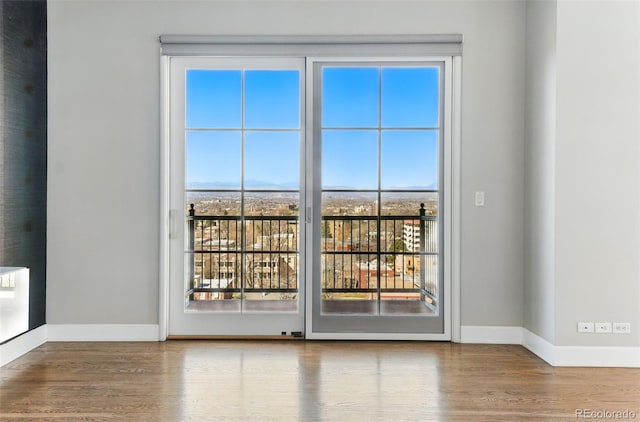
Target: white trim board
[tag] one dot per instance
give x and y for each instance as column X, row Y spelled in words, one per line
column 621, row 357
column 22, row 344
column 103, row 332
column 539, row 346
column 588, row 356
column 628, row 357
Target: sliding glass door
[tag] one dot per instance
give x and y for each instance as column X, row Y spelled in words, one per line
column 237, row 143
column 309, row 197
column 377, row 187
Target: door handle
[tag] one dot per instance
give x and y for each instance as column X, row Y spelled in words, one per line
column 173, row 224
column 307, row 216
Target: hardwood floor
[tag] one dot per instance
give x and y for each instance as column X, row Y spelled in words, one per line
column 304, row 380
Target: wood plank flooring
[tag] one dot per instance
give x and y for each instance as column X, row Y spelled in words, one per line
column 304, row 381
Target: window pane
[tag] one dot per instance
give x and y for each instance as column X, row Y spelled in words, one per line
column 272, row 99
column 284, row 204
column 272, row 160
column 410, row 97
column 410, row 159
column 271, row 234
column 213, row 160
column 408, row 203
column 214, row 203
column 265, row 271
column 214, row 99
column 350, row 97
column 347, row 281
column 349, row 234
column 349, row 159
column 349, row 203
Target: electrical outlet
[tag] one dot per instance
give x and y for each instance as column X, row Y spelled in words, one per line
column 603, row 327
column 585, row 327
column 622, row 328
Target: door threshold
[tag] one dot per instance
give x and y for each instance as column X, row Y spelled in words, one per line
column 288, row 337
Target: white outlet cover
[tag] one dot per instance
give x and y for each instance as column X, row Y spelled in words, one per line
column 585, row 327
column 622, row 328
column 603, row 327
column 479, row 199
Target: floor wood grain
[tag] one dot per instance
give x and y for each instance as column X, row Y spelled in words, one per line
column 304, row 381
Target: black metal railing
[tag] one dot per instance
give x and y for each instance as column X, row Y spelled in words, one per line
column 234, row 255
column 386, row 254
column 229, row 256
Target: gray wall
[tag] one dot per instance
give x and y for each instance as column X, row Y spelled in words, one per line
column 597, row 228
column 582, row 181
column 557, row 242
column 23, row 146
column 104, row 140
column 540, row 167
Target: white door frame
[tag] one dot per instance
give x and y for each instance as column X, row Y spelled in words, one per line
column 294, row 44
column 194, row 323
column 165, row 144
column 451, row 188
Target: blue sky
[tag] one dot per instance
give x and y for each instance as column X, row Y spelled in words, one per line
column 377, row 123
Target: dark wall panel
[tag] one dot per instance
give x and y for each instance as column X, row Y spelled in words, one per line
column 23, row 145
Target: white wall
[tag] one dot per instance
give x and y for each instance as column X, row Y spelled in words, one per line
column 597, row 228
column 104, row 140
column 540, row 164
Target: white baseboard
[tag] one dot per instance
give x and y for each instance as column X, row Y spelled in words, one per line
column 554, row 355
column 626, row 357
column 622, row 357
column 539, row 346
column 22, row 344
column 490, row 335
column 588, row 356
column 103, row 332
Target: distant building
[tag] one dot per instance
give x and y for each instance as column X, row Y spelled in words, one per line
column 410, row 264
column 219, row 244
column 411, row 235
column 368, row 273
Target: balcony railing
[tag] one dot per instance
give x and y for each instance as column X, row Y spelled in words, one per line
column 364, row 256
